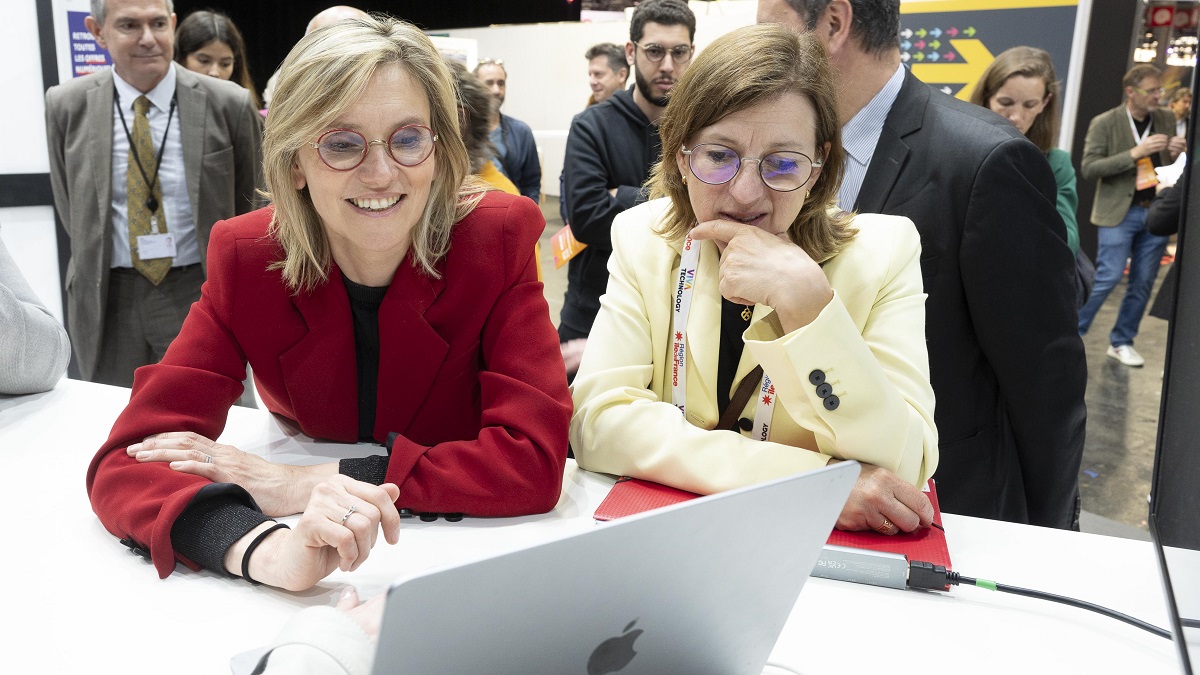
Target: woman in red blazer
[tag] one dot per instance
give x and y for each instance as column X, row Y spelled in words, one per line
column 385, row 297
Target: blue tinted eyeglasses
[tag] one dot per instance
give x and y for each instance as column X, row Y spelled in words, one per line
column 781, row 171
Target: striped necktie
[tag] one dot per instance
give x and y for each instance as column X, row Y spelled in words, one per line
column 144, row 206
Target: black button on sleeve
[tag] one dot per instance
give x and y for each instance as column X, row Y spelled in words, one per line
column 745, row 424
column 832, row 402
column 822, row 391
column 816, row 377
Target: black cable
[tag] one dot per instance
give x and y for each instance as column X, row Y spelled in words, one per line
column 955, row 579
column 937, row 578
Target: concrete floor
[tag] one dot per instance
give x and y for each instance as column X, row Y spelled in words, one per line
column 1122, row 406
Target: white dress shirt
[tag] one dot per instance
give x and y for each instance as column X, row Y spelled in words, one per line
column 860, row 136
column 176, row 205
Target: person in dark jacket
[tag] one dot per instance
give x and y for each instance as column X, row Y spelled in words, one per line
column 607, row 73
column 1163, row 221
column 1010, row 408
column 610, row 149
column 516, row 149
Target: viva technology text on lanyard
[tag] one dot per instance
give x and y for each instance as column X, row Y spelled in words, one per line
column 688, row 262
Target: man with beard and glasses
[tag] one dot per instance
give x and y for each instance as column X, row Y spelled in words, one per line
column 610, row 149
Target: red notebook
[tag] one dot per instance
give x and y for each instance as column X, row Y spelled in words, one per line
column 633, row 495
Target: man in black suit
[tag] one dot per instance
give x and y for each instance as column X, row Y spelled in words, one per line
column 1005, row 358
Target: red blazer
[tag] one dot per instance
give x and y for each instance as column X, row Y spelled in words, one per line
column 470, row 376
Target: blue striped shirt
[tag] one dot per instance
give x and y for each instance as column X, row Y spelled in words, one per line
column 860, row 136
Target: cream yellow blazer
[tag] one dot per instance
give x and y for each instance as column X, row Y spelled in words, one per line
column 869, row 341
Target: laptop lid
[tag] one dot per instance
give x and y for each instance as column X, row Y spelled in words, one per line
column 703, row 586
column 1179, row 635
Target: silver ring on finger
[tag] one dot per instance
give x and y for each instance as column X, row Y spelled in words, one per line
column 208, row 459
column 349, row 513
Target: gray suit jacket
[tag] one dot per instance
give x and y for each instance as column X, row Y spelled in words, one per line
column 1005, row 358
column 1106, row 160
column 222, row 153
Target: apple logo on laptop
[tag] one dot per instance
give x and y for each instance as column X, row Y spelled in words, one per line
column 614, row 653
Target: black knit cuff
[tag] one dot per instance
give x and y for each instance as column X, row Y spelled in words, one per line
column 371, row 469
column 218, row 516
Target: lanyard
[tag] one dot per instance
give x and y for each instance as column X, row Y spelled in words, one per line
column 151, row 202
column 1137, row 140
column 689, row 260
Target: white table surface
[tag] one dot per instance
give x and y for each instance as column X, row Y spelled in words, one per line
column 79, row 601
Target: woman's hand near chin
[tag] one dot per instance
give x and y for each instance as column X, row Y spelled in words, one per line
column 758, row 267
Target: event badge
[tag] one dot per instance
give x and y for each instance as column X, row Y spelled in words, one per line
column 566, row 246
column 1146, row 178
column 152, row 246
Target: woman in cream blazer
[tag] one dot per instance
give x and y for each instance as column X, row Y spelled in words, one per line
column 835, row 301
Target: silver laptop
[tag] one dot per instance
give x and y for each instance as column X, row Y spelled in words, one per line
column 704, row 586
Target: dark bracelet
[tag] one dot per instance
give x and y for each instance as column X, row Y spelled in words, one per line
column 253, row 545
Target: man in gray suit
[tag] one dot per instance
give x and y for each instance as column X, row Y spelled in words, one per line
column 144, row 158
column 1005, row 359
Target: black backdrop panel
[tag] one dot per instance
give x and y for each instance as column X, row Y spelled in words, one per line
column 1175, row 490
column 272, row 28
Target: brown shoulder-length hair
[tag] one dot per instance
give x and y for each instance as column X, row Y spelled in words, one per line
column 739, row 70
column 474, row 112
column 205, row 26
column 326, row 73
column 1025, row 62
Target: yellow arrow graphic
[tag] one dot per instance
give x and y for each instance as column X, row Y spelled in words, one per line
column 975, row 58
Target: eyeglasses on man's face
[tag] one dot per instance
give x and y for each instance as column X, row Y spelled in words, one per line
column 656, row 53
column 781, row 171
column 345, row 149
column 1150, row 92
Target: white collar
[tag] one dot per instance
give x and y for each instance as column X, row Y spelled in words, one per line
column 861, row 133
column 160, row 96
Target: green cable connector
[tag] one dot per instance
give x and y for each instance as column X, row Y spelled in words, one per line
column 984, row 583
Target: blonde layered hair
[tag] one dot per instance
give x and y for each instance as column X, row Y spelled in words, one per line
column 325, row 74
column 740, row 70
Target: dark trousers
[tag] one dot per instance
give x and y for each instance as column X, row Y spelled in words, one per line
column 142, row 319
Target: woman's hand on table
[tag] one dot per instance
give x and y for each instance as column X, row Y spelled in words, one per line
column 336, row 531
column 278, row 489
column 758, row 267
column 886, row 503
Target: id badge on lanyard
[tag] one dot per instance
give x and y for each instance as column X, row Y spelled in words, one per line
column 685, row 283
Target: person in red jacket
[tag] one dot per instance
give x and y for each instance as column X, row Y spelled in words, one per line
column 386, row 297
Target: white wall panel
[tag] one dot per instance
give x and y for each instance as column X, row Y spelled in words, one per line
column 22, row 116
column 28, row 234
